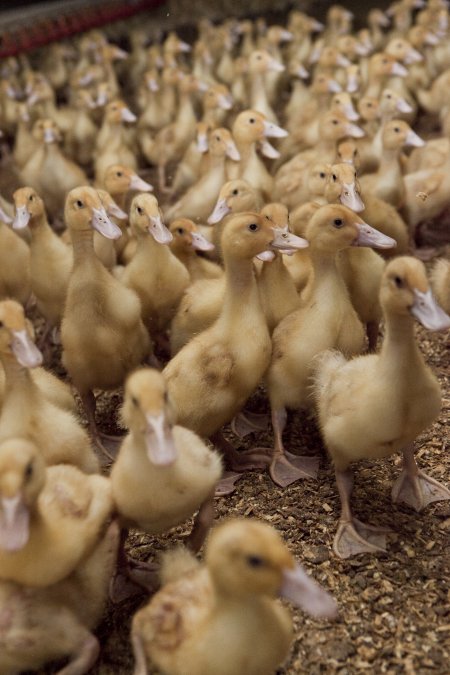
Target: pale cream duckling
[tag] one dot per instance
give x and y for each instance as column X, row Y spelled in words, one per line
column 48, row 171
column 55, row 622
column 79, row 139
column 193, row 163
column 112, row 145
column 211, row 377
column 198, row 202
column 387, row 182
column 154, row 273
column 187, row 240
column 28, row 408
column 347, row 152
column 394, row 386
column 326, row 317
column 208, row 618
column 50, row 517
column 163, row 473
column 102, row 333
column 50, row 258
column 15, row 275
column 24, row 142
column 382, row 66
column 440, row 279
column 261, row 63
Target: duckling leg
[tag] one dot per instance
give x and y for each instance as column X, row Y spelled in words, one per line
column 285, row 467
column 246, row 422
column 85, row 659
column 131, row 576
column 162, row 179
column 414, row 487
column 372, row 330
column 353, row 536
column 89, row 404
column 202, row 524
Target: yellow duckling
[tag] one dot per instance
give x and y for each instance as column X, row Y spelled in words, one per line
column 48, row 171
column 187, row 240
column 260, row 64
column 50, row 258
column 194, row 161
column 440, row 279
column 199, row 200
column 155, row 274
column 15, row 274
column 102, row 333
column 326, row 317
column 79, row 140
column 394, row 386
column 24, row 142
column 55, row 622
column 112, row 143
column 28, row 408
column 210, row 379
column 163, row 473
column 387, row 182
column 51, row 517
column 208, row 618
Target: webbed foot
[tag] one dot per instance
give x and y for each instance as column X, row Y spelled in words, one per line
column 286, row 468
column 418, row 491
column 245, row 423
column 353, row 537
column 227, row 484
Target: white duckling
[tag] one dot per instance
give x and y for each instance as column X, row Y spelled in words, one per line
column 395, row 386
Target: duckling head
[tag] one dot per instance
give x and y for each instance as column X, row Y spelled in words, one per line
column 261, row 61
column 334, row 227
column 249, row 234
column 17, row 335
column 147, row 411
column 383, row 65
column 277, row 214
column 342, row 102
column 146, row 218
column 84, row 209
column 402, row 50
column 186, row 237
column 46, row 131
column 111, row 208
column 22, row 477
column 391, row 102
column 218, row 96
column 248, row 558
column 331, row 57
column 347, row 152
column 324, row 84
column 251, row 126
column 117, row 112
column 368, row 108
column 334, row 126
column 405, row 290
column 398, row 134
column 317, row 178
column 342, row 186
column 220, row 144
column 119, row 180
column 234, row 196
column 29, row 208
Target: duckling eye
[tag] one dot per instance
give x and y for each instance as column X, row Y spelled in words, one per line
column 389, row 96
column 31, row 197
column 217, row 138
column 28, row 471
column 235, row 192
column 255, row 561
column 384, row 61
column 180, row 230
column 253, row 227
column 369, row 105
column 134, row 401
column 398, row 282
column 338, row 222
column 321, row 174
column 397, row 130
column 1, row 324
column 334, row 177
column 79, row 203
column 252, row 120
column 139, row 210
column 334, row 122
column 119, row 174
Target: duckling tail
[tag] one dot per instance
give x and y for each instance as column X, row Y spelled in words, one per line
column 325, row 365
column 176, row 564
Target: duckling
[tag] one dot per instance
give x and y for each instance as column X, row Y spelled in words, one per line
column 117, row 341
column 440, row 279
column 249, row 127
column 193, row 164
column 154, row 273
column 226, row 362
column 163, row 473
column 50, row 259
column 39, row 503
column 55, row 622
column 382, row 66
column 387, row 182
column 24, row 142
column 79, row 140
column 395, row 386
column 224, row 605
column 48, row 171
column 15, row 275
column 217, row 101
column 104, row 248
column 308, row 330
column 187, row 240
column 29, row 412
column 199, row 200
column 261, row 63
column 112, row 146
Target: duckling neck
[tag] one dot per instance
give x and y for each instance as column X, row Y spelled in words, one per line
column 40, row 227
column 83, row 245
column 19, row 384
column 400, row 349
column 240, row 288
